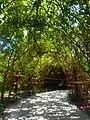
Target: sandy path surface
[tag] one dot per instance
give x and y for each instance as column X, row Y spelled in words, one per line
column 53, row 105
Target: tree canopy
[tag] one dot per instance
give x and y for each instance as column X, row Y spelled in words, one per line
column 36, row 33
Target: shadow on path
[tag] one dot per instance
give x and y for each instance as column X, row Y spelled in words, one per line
column 79, row 102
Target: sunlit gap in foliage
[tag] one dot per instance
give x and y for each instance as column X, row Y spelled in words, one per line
column 25, row 32
column 76, row 8
column 25, row 2
column 5, row 44
column 1, row 19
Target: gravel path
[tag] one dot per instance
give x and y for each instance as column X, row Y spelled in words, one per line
column 53, row 105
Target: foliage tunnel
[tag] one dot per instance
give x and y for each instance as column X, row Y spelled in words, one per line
column 39, row 33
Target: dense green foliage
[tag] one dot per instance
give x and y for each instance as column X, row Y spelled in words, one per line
column 36, row 33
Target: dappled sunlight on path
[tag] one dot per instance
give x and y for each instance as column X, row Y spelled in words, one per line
column 51, row 105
